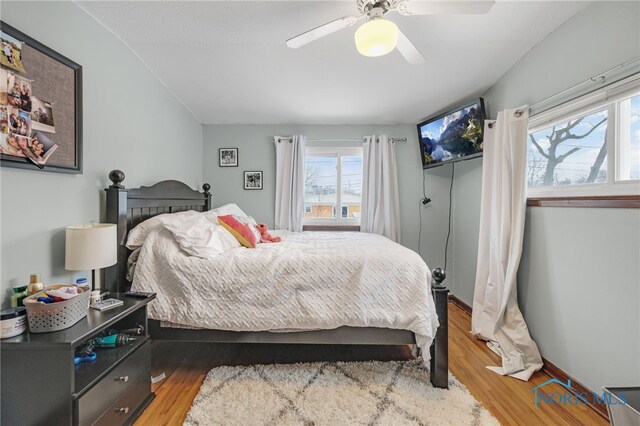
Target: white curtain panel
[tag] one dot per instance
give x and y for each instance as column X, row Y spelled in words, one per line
column 289, row 182
column 496, row 317
column 380, row 199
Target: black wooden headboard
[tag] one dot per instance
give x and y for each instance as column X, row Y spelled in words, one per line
column 128, row 207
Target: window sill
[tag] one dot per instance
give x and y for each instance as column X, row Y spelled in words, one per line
column 608, row 201
column 334, row 228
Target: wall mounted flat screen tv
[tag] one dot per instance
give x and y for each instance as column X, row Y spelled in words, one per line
column 453, row 136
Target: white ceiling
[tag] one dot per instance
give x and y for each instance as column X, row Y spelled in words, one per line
column 227, row 61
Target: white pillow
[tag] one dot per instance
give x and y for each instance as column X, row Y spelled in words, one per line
column 198, row 236
column 138, row 234
column 231, row 208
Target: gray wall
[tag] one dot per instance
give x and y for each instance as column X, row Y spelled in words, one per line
column 579, row 280
column 257, row 152
column 131, row 122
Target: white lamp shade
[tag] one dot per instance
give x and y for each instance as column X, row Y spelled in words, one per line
column 376, row 37
column 91, row 246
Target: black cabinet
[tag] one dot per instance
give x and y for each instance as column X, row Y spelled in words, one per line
column 41, row 385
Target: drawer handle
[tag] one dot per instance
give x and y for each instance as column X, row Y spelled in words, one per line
column 124, row 410
column 122, row 379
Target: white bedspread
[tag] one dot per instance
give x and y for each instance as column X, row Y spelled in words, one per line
column 310, row 281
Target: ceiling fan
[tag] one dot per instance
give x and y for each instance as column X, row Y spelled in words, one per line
column 379, row 36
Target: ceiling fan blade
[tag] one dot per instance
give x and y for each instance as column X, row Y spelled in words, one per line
column 408, row 50
column 321, row 31
column 451, row 7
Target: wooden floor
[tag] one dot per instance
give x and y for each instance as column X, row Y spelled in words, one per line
column 509, row 400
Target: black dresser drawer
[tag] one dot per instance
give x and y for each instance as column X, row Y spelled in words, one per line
column 120, row 412
column 115, row 384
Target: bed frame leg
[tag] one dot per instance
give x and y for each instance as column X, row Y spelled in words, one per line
column 439, row 366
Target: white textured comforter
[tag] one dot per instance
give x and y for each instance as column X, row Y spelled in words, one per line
column 310, row 281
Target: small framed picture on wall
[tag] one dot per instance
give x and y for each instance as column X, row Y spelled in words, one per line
column 228, row 157
column 252, row 180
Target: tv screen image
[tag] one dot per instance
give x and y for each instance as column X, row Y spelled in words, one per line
column 452, row 136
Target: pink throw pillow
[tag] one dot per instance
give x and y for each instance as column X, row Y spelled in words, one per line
column 244, row 232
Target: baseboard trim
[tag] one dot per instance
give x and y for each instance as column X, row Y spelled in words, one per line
column 460, row 304
column 549, row 368
column 555, row 372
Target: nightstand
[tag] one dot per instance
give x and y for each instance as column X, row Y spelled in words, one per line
column 41, row 385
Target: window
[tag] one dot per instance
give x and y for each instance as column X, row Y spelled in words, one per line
column 587, row 147
column 628, row 167
column 332, row 186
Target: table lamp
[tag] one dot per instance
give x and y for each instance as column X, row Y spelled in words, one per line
column 92, row 246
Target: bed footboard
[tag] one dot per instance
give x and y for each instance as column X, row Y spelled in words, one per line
column 439, row 366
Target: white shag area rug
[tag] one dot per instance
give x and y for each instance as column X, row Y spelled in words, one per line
column 333, row 393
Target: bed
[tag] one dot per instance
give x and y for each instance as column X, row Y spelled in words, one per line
column 129, row 207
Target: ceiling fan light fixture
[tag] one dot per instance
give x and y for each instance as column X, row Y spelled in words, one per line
column 376, row 37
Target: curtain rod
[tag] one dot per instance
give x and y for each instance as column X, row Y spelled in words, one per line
column 598, row 78
column 347, row 140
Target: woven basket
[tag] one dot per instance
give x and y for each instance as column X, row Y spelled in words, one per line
column 56, row 316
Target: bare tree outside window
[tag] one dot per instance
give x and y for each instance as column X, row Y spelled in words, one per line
column 311, row 175
column 535, row 171
column 571, row 152
column 320, row 186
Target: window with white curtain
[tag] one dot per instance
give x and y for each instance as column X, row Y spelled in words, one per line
column 332, row 185
column 589, row 146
